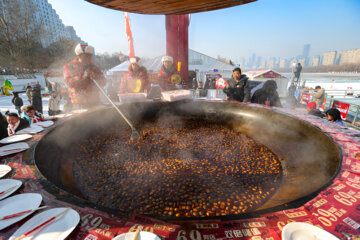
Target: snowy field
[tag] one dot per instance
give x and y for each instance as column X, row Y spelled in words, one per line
column 6, row 104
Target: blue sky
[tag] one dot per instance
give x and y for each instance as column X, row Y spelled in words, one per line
column 269, row 28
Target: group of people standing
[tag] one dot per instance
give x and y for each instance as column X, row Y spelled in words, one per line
column 81, row 76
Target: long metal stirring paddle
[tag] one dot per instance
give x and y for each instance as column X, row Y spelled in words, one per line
column 135, row 134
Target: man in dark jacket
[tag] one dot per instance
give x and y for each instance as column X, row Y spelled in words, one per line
column 36, row 100
column 267, row 95
column 238, row 87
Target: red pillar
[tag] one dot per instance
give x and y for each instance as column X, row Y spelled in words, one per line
column 177, row 42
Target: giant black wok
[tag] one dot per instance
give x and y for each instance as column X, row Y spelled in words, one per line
column 310, row 159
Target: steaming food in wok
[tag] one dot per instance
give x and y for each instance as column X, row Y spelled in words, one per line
column 180, row 167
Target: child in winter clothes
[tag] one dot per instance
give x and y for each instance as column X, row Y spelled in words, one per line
column 17, row 101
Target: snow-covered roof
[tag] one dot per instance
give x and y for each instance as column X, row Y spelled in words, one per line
column 263, row 73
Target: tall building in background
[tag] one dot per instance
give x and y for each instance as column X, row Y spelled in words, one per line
column 306, row 51
column 350, row 57
column 329, row 58
column 52, row 24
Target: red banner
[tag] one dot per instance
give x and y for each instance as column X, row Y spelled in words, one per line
column 342, row 107
column 129, row 35
column 305, row 97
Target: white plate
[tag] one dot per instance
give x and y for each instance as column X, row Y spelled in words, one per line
column 31, row 130
column 305, row 231
column 6, row 184
column 15, row 138
column 16, row 204
column 63, row 115
column 4, row 169
column 43, row 124
column 80, row 111
column 13, row 148
column 143, row 235
column 59, row 229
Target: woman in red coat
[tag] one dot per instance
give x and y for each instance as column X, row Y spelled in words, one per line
column 169, row 77
column 136, row 79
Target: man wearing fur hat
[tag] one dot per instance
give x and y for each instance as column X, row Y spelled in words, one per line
column 78, row 76
column 136, row 79
column 169, row 77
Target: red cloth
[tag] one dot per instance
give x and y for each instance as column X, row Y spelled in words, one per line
column 311, row 105
column 82, row 90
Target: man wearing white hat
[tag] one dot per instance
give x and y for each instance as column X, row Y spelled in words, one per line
column 136, row 79
column 169, row 77
column 78, row 76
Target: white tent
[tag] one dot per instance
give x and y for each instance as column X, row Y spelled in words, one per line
column 198, row 62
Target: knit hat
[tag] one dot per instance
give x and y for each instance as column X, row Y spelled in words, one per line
column 311, row 105
column 167, row 59
column 84, row 49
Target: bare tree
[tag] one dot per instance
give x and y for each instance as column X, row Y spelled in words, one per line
column 20, row 34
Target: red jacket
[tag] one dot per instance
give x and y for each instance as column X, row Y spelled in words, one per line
column 134, row 82
column 169, row 79
column 82, row 90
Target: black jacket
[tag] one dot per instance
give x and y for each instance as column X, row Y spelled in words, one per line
column 317, row 113
column 36, row 100
column 3, row 127
column 260, row 97
column 17, row 101
column 23, row 124
column 238, row 91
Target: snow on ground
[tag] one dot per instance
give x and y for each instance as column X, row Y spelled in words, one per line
column 6, row 104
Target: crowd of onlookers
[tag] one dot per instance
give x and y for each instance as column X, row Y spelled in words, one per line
column 26, row 115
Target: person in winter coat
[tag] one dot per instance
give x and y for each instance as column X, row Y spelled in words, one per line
column 28, row 93
column 136, row 79
column 31, row 115
column 169, row 77
column 54, row 104
column 36, row 100
column 334, row 115
column 319, row 96
column 267, row 95
column 79, row 75
column 3, row 127
column 17, row 101
column 15, row 123
column 237, row 87
column 311, row 108
column 297, row 71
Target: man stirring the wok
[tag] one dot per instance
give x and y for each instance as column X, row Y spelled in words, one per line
column 79, row 75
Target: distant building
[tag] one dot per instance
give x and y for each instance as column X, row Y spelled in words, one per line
column 263, row 64
column 350, row 57
column 52, row 24
column 284, row 63
column 272, row 63
column 306, row 51
column 316, row 61
column 329, row 58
